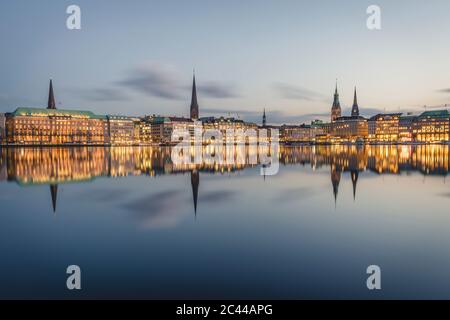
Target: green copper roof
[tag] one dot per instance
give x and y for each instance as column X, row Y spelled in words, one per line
column 162, row 119
column 159, row 119
column 55, row 112
column 435, row 114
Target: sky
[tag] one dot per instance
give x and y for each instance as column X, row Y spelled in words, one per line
column 137, row 57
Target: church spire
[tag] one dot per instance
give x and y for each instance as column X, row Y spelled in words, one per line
column 264, row 118
column 51, row 97
column 355, row 108
column 336, row 108
column 194, row 103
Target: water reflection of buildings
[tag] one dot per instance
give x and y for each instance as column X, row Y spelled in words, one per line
column 56, row 166
column 195, row 181
column 384, row 159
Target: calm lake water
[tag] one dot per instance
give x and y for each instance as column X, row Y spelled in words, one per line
column 140, row 226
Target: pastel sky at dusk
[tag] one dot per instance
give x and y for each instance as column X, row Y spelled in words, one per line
column 137, row 57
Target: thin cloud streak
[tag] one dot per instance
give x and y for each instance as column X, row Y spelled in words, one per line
column 160, row 210
column 217, row 90
column 154, row 79
column 287, row 91
column 163, row 81
column 103, row 94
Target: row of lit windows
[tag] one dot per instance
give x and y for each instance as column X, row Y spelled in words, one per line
column 60, row 122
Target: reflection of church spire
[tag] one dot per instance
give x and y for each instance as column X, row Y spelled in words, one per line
column 195, row 181
column 54, row 193
column 354, row 174
column 335, row 180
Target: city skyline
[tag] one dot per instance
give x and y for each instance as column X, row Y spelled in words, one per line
column 53, row 126
column 287, row 66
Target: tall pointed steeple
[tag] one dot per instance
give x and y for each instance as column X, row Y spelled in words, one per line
column 355, row 108
column 264, row 118
column 336, row 108
column 51, row 97
column 194, row 103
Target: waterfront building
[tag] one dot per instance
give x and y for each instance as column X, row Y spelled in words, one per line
column 121, row 130
column 58, row 127
column 2, row 128
column 271, row 132
column 318, row 129
column 145, row 130
column 158, row 129
column 336, row 107
column 30, row 126
column 295, row 133
column 350, row 128
column 372, row 128
column 237, row 127
column 384, row 127
column 268, row 129
column 302, row 133
column 432, row 126
column 327, row 127
column 137, row 130
column 163, row 127
column 405, row 128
